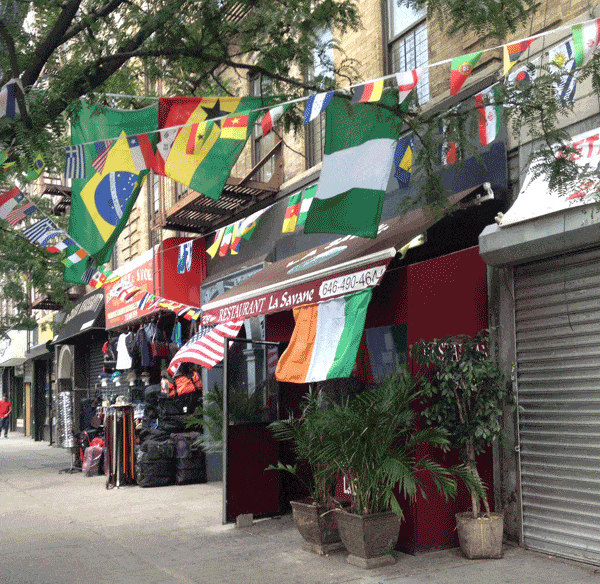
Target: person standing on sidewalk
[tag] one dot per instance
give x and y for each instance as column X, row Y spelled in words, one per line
column 5, row 410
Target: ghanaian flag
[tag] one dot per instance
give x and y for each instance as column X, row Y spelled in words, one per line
column 204, row 165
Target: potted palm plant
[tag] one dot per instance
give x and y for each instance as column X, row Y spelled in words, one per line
column 466, row 392
column 313, row 515
column 372, row 439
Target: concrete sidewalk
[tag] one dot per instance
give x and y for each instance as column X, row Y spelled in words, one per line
column 68, row 529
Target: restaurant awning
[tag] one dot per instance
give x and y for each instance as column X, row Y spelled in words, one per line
column 12, row 348
column 337, row 268
column 87, row 314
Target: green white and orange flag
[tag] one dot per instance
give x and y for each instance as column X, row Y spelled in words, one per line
column 513, row 52
column 586, row 37
column 326, row 338
column 291, row 213
column 461, row 68
column 208, row 167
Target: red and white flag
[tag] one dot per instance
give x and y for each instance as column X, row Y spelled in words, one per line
column 141, row 151
column 407, row 81
column 207, row 346
column 271, row 118
column 102, row 150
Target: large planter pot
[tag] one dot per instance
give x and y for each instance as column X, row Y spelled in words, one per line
column 317, row 526
column 480, row 537
column 370, row 539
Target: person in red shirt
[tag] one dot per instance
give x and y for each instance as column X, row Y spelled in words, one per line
column 5, row 410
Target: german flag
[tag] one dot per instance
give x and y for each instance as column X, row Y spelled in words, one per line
column 368, row 92
column 291, row 213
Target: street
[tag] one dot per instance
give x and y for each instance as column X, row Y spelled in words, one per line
column 61, row 528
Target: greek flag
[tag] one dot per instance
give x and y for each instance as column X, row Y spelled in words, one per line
column 75, row 161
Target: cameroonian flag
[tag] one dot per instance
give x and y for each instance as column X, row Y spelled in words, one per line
column 291, row 213
column 208, row 167
column 461, row 68
column 102, row 202
column 513, row 52
column 325, row 340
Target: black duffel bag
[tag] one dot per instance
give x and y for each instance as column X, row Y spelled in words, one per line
column 155, row 463
column 190, row 459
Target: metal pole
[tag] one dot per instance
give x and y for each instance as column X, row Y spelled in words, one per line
column 225, row 427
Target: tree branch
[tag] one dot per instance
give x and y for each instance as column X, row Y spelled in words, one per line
column 53, row 40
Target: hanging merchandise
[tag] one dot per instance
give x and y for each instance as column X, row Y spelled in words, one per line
column 66, row 435
column 123, row 357
column 119, row 435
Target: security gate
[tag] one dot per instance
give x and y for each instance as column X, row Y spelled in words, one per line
column 557, row 323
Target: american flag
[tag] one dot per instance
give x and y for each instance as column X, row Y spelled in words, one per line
column 102, row 150
column 17, row 215
column 207, row 346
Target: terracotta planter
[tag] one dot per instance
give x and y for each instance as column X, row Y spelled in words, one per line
column 316, row 526
column 370, row 539
column 480, row 537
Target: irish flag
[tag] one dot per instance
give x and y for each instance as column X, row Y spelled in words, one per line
column 586, row 37
column 325, row 340
column 359, row 153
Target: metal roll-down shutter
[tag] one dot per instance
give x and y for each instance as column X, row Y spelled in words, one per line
column 557, row 321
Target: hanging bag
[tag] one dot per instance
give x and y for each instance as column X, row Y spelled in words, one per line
column 159, row 349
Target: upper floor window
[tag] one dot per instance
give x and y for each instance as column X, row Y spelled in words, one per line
column 315, row 130
column 260, row 85
column 408, row 47
column 155, row 193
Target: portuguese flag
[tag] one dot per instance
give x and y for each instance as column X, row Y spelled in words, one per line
column 461, row 68
column 209, row 165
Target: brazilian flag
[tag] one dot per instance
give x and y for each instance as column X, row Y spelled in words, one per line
column 102, row 202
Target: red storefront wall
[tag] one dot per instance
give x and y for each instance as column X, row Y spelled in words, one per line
column 445, row 295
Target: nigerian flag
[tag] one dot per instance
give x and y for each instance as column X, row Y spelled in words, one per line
column 101, row 203
column 198, row 152
column 360, row 142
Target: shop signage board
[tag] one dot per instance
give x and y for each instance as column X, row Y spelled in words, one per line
column 536, row 198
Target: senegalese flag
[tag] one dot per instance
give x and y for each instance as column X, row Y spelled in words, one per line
column 513, row 52
column 368, row 92
column 307, row 199
column 208, row 168
column 461, row 68
column 291, row 213
column 101, row 204
column 214, row 248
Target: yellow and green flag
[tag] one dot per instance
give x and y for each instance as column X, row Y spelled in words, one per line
column 202, row 160
column 102, row 202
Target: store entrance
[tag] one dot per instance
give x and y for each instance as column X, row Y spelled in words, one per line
column 251, row 401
